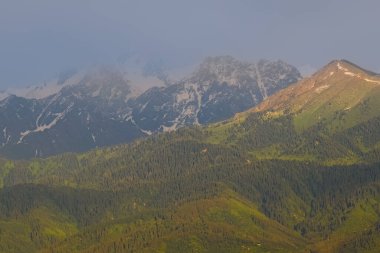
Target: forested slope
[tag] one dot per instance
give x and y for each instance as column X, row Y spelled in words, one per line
column 287, row 176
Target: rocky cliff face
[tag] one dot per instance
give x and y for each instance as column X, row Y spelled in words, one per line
column 101, row 108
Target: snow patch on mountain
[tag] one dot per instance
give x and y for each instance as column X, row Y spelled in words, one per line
column 340, row 67
column 347, row 73
column 357, row 75
column 107, row 107
column 93, row 137
column 42, row 128
column 371, row 81
column 183, row 96
column 169, row 128
column 260, row 82
column 147, row 132
column 321, row 88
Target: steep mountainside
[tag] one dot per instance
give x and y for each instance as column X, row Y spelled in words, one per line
column 339, row 87
column 335, row 112
column 77, row 118
column 220, row 87
column 103, row 108
column 263, row 181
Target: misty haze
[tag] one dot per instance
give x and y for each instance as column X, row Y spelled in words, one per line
column 189, row 126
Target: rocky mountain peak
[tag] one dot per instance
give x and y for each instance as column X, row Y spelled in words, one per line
column 229, row 70
column 101, row 108
column 344, row 70
column 341, row 81
column 219, row 68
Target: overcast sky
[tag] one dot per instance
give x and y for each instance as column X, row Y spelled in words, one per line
column 39, row 38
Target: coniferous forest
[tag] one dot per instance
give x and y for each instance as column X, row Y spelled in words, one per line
column 157, row 127
column 254, row 183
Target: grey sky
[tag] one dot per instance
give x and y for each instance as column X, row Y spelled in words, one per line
column 39, row 38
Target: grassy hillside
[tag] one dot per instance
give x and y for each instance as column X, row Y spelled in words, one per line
column 225, row 223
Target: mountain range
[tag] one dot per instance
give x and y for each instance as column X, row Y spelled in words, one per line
column 299, row 172
column 81, row 111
